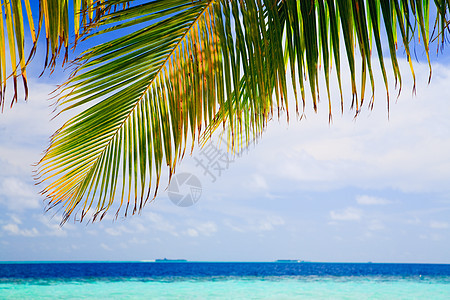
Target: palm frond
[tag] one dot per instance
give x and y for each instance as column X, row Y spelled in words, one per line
column 191, row 66
column 151, row 84
column 54, row 17
column 312, row 31
column 12, row 38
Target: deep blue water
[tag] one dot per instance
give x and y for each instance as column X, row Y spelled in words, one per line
column 206, row 280
column 70, row 270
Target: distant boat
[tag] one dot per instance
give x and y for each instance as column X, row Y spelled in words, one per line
column 288, row 261
column 169, row 260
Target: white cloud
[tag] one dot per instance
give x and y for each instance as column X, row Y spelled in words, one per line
column 114, row 231
column 439, row 225
column 117, row 230
column 369, row 200
column 25, row 130
column 257, row 182
column 232, row 226
column 158, row 222
column 413, row 221
column 268, row 223
column 17, row 195
column 255, row 224
column 436, row 237
column 375, row 225
column 200, row 228
column 56, row 230
column 133, row 226
column 106, row 247
column 366, row 236
column 136, row 241
column 32, row 116
column 191, row 232
column 53, row 227
column 13, row 229
column 369, row 152
column 207, row 228
column 348, row 214
column 15, row 219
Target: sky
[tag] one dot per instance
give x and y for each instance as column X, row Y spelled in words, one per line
column 356, row 190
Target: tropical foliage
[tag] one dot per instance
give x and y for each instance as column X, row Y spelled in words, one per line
column 165, row 74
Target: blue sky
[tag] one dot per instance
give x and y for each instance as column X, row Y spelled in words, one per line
column 369, row 189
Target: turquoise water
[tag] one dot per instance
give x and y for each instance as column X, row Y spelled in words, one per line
column 209, row 280
column 310, row 287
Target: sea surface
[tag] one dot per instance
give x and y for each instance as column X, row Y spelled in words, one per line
column 227, row 280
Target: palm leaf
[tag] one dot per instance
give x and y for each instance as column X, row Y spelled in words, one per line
column 54, row 17
column 191, row 66
column 146, row 81
column 12, row 22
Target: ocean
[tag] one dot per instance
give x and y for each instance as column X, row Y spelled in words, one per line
column 223, row 280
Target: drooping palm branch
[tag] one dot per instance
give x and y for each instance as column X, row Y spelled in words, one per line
column 178, row 69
